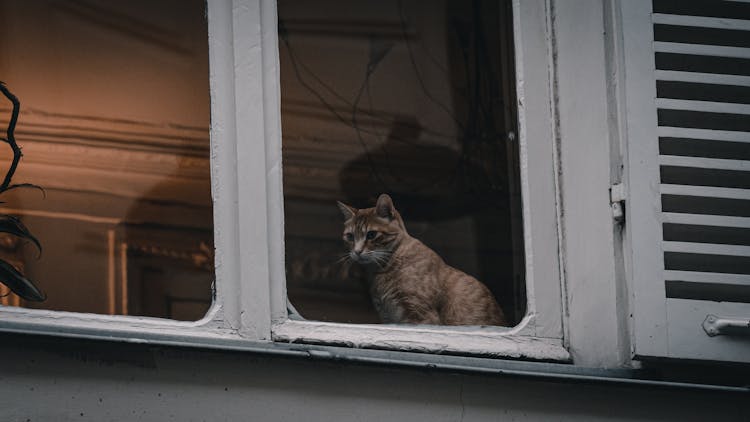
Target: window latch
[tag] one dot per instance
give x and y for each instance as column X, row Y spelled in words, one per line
column 617, row 196
column 720, row 326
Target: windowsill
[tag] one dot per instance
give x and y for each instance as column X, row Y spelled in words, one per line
column 488, row 342
column 214, row 332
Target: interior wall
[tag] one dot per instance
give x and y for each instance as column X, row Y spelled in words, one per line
column 62, row 56
column 114, row 125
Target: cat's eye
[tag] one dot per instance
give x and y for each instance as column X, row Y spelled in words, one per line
column 349, row 237
column 371, row 235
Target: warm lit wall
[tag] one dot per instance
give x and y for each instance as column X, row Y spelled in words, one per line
column 127, row 60
column 114, row 125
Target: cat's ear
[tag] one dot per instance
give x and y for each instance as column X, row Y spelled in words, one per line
column 384, row 207
column 346, row 210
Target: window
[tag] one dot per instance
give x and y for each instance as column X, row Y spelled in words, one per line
column 227, row 322
column 248, row 210
column 337, row 134
column 411, row 99
column 114, row 125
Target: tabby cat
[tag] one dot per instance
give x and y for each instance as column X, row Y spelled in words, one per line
column 409, row 282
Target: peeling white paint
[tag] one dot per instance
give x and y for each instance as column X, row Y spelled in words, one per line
column 482, row 341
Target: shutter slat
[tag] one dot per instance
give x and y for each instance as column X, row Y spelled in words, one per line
column 705, row 78
column 704, row 163
column 702, row 22
column 706, row 220
column 706, row 106
column 708, row 134
column 705, row 191
column 701, row 50
column 706, row 248
column 704, row 277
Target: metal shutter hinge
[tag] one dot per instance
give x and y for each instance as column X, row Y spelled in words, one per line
column 617, row 196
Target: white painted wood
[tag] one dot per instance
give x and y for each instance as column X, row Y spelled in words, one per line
column 249, row 26
column 682, row 329
column 534, row 85
column 704, row 277
column 707, row 106
column 211, row 328
column 706, row 220
column 702, row 50
column 716, row 135
column 706, row 248
column 616, row 110
column 645, row 264
column 487, row 341
column 585, row 179
column 702, row 22
column 688, row 340
column 704, row 78
column 224, row 186
column 274, row 185
column 705, row 191
column 704, row 163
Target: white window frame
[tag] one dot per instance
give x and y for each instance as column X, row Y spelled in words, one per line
column 540, row 334
column 251, row 303
column 237, row 314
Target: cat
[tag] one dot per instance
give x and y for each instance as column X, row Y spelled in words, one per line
column 409, row 282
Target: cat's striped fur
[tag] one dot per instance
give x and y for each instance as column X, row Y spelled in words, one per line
column 409, row 282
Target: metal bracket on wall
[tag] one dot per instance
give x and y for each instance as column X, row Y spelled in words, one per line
column 717, row 326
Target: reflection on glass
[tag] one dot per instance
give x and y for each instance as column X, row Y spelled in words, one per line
column 411, row 98
column 114, row 125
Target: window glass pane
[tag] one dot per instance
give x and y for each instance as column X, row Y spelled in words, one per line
column 114, row 125
column 415, row 99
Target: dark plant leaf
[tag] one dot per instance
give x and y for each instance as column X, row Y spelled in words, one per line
column 27, row 185
column 19, row 284
column 14, row 226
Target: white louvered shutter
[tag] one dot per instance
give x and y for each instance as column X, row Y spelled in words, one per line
column 687, row 91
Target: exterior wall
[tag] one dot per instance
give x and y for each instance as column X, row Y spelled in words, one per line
column 49, row 379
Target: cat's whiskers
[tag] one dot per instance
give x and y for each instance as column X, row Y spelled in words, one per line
column 342, row 258
column 380, row 257
column 345, row 260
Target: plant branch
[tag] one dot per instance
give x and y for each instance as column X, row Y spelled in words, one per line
column 11, row 140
